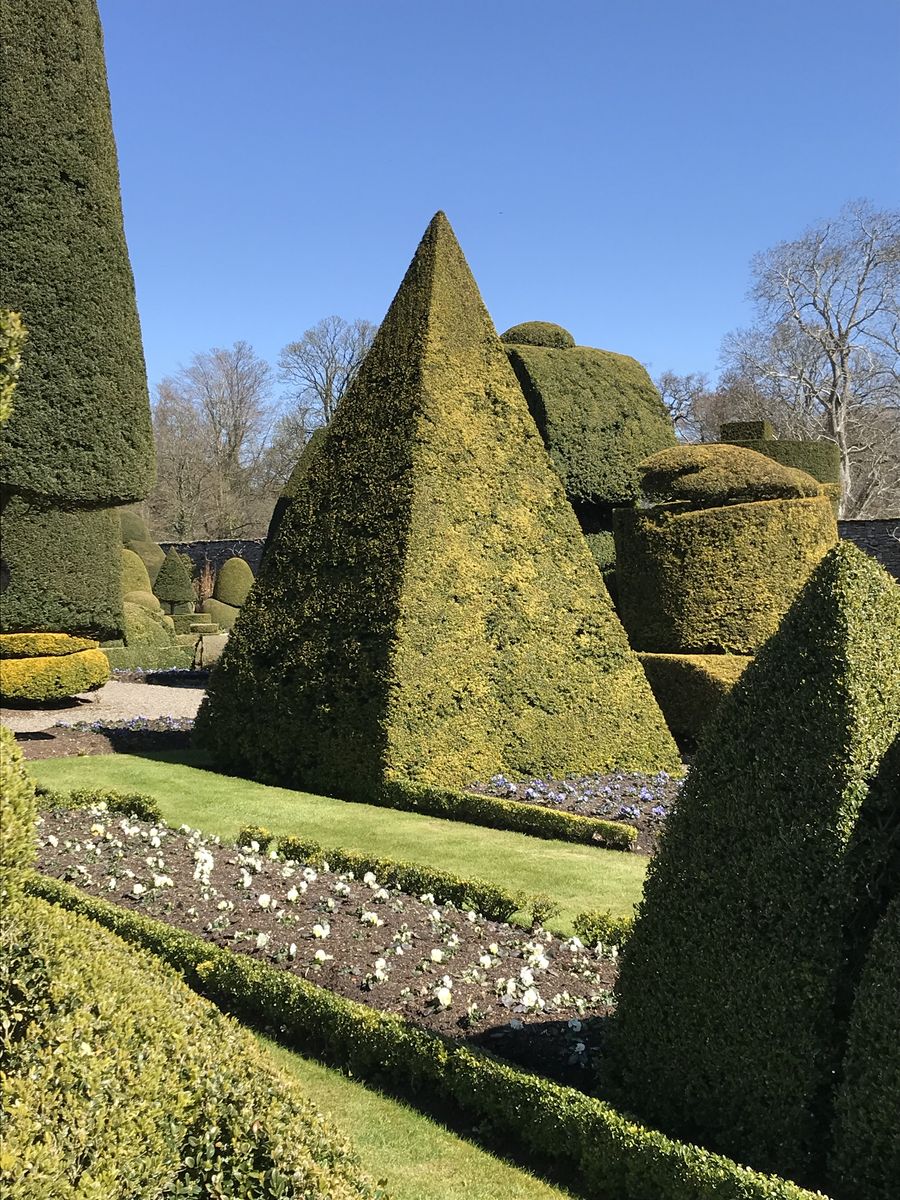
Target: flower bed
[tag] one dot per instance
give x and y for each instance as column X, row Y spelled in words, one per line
column 531, row 995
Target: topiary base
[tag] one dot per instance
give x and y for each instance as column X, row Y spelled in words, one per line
column 690, row 687
column 53, row 676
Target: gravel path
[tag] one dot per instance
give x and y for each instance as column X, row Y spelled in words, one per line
column 115, row 701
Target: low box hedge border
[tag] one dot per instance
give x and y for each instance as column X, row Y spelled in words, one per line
column 497, row 813
column 609, row 1156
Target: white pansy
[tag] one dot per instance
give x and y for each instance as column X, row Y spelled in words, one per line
column 321, row 930
column 138, row 889
column 526, row 976
column 494, row 948
column 369, row 879
column 485, row 960
column 370, row 918
column 53, row 840
column 530, row 998
column 264, row 900
column 437, row 956
column 320, row 956
column 292, row 950
column 293, row 895
column 163, row 881
column 262, row 940
column 444, row 997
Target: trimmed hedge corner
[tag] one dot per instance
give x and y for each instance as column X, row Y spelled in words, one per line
column 690, row 687
column 54, row 677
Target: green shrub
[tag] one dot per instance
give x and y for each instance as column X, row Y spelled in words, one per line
column 256, row 833
column 222, row 614
column 132, row 804
column 865, row 1163
column 728, row 1029
column 599, row 415
column 293, row 485
column 133, row 527
column 18, row 810
column 173, row 583
column 598, row 925
column 149, row 658
column 715, row 579
column 80, row 431
column 123, row 1083
column 64, row 569
column 150, row 554
column 607, row 1155
column 746, row 431
column 144, row 600
column 711, row 476
column 406, row 624
column 144, row 627
column 135, row 577
column 821, row 459
column 539, row 333
column 55, row 677
column 233, row 582
column 690, row 687
column 42, row 645
column 13, row 336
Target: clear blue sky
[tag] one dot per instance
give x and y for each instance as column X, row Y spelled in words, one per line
column 611, row 167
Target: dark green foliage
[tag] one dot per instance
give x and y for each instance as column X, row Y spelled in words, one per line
column 133, row 526
column 598, row 926
column 708, row 476
column 599, row 415
column 608, row 1156
column 746, row 431
column 151, row 554
column 223, row 614
column 728, row 1028
column 539, row 333
column 233, row 582
column 64, row 569
column 173, row 583
column 291, row 488
column 80, row 431
column 131, row 804
column 13, row 336
column 124, row 1084
column 865, row 1162
column 715, row 579
column 256, row 833
column 821, row 459
column 690, row 687
column 406, row 626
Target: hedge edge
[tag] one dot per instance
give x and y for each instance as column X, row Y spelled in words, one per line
column 611, row 1157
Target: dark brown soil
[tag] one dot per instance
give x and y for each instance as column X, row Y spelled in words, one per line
column 65, row 741
column 529, row 996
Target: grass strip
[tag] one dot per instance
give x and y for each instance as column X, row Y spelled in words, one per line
column 606, row 1155
column 576, row 877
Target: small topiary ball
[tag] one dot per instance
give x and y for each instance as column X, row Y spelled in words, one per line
column 716, row 475
column 539, row 333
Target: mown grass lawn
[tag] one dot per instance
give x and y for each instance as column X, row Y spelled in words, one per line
column 416, row 1157
column 577, row 877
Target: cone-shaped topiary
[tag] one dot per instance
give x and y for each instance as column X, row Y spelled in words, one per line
column 80, row 430
column 727, row 1030
column 173, row 583
column 429, row 611
column 310, row 450
column 233, row 582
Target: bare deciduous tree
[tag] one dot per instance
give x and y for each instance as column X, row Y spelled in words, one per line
column 320, row 366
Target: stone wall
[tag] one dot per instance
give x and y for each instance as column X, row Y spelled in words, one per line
column 881, row 539
column 217, row 553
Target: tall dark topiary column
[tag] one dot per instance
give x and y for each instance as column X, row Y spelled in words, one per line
column 79, row 440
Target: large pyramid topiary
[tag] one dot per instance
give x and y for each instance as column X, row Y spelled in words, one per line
column 733, row 985
column 79, row 440
column 429, row 611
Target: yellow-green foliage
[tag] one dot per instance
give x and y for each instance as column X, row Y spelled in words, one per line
column 119, row 1082
column 716, row 579
column 12, row 338
column 866, row 1157
column 539, row 333
column 54, row 677
column 233, row 582
column 429, row 611
column 690, row 687
column 41, row 645
column 150, row 553
column 144, row 599
column 729, row 1025
column 135, row 577
column 598, row 414
column 145, row 626
column 133, row 526
column 18, row 809
column 711, row 476
column 222, row 614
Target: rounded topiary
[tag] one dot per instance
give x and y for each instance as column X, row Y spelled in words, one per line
column 152, row 555
column 116, row 1068
column 539, row 333
column 133, row 526
column 144, row 599
column 223, row 614
column 233, row 582
column 707, row 476
column 42, row 645
column 145, row 627
column 702, row 581
column 55, row 677
column 135, row 577
column 173, row 583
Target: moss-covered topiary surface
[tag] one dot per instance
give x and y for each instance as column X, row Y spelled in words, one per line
column 407, row 624
column 728, row 1028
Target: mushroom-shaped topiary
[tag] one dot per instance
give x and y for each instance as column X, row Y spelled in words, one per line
column 708, row 476
column 233, row 583
column 173, row 583
column 539, row 333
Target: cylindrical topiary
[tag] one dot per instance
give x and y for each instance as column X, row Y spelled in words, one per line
column 690, row 687
column 233, row 582
column 173, row 583
column 55, row 677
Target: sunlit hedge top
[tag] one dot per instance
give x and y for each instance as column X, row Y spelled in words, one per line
column 714, row 475
column 539, row 333
column 80, row 428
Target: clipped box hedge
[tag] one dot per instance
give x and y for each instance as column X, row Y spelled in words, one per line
column 702, row 581
column 607, row 1155
column 54, row 677
column 149, row 658
column 42, row 645
column 690, row 687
